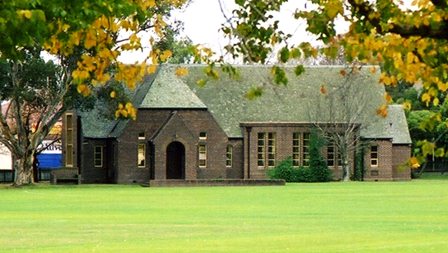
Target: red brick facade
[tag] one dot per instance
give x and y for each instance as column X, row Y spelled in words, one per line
column 162, row 127
column 392, row 161
column 156, row 129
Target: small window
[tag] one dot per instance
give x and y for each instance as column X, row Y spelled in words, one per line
column 229, row 155
column 98, row 156
column 203, row 136
column 141, row 155
column 202, row 151
column 141, row 136
column 374, row 156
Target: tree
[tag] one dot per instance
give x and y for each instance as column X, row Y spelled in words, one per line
column 33, row 97
column 318, row 165
column 87, row 39
column 339, row 112
column 181, row 47
column 408, row 42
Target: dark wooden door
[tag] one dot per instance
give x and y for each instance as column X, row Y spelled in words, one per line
column 175, row 161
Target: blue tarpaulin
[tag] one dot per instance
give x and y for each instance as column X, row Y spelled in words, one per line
column 49, row 161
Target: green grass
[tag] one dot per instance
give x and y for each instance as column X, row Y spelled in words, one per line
column 331, row 217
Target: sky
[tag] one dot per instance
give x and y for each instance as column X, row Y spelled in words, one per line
column 203, row 20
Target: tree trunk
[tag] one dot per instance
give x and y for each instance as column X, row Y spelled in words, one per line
column 23, row 168
column 345, row 171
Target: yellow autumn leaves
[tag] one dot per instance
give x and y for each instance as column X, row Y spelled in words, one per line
column 126, row 111
column 104, row 40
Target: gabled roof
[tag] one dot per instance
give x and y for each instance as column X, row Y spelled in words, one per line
column 94, row 125
column 226, row 101
column 394, row 126
column 225, row 97
column 168, row 91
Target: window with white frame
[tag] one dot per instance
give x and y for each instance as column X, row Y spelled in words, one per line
column 202, row 155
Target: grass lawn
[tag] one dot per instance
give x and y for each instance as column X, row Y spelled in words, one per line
column 331, row 217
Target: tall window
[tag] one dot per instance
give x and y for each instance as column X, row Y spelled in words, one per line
column 261, row 149
column 306, row 149
column 202, row 151
column 374, row 156
column 296, row 149
column 98, row 156
column 69, row 140
column 229, row 155
column 267, row 149
column 271, row 149
column 330, row 155
column 141, row 150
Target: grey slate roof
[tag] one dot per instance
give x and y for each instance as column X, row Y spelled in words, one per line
column 94, row 125
column 168, row 91
column 225, row 99
column 393, row 126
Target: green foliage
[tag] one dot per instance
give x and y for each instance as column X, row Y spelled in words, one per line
column 182, row 48
column 284, row 170
column 38, row 80
column 404, row 92
column 317, row 171
column 254, row 92
column 358, row 174
column 407, row 39
column 318, row 165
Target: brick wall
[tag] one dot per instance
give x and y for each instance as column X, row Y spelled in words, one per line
column 383, row 171
column 90, row 173
column 236, row 170
column 127, row 170
column 164, row 126
column 401, row 155
column 284, row 146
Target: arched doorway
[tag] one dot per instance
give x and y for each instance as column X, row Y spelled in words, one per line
column 175, row 161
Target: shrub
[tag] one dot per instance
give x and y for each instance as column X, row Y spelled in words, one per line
column 305, row 174
column 316, row 172
column 284, row 170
